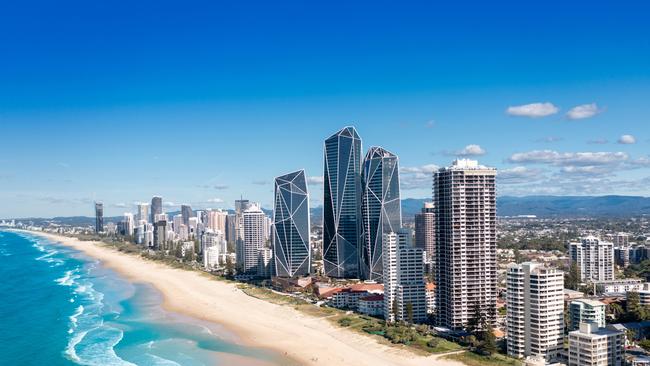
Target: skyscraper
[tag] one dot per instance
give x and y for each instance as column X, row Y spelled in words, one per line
column 291, row 246
column 594, row 258
column 143, row 212
column 99, row 217
column 535, row 310
column 156, row 208
column 253, row 239
column 380, row 209
column 342, row 203
column 425, row 230
column 187, row 212
column 465, row 254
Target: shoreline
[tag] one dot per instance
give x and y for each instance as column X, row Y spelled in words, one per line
column 293, row 335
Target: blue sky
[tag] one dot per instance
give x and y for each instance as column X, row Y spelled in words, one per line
column 204, row 102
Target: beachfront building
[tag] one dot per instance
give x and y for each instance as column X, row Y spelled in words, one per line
column 535, row 310
column 425, row 234
column 211, row 258
column 129, row 224
column 99, row 217
column 465, row 265
column 291, row 247
column 160, row 233
column 216, row 220
column 342, row 204
column 265, row 263
column 404, row 285
column 594, row 258
column 594, row 346
column 156, row 208
column 252, row 240
column 186, row 212
column 372, row 305
column 380, row 209
column 586, row 311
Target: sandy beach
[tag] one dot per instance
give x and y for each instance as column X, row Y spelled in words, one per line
column 306, row 339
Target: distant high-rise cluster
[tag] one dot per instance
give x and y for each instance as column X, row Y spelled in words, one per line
column 594, row 259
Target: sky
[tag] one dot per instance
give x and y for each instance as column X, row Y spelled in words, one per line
column 204, row 102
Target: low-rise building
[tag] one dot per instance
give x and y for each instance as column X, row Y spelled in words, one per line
column 594, row 346
column 372, row 305
column 618, row 286
column 586, row 311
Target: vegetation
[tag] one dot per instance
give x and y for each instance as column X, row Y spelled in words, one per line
column 572, row 277
column 641, row 270
column 474, row 359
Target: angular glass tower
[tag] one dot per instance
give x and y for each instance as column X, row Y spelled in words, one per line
column 380, row 207
column 342, row 204
column 291, row 248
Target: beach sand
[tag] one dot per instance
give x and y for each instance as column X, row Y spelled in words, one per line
column 308, row 340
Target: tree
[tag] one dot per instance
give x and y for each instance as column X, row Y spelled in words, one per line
column 635, row 311
column 518, row 257
column 615, row 310
column 475, row 323
column 572, row 278
column 489, row 344
column 230, row 267
column 395, row 310
column 409, row 312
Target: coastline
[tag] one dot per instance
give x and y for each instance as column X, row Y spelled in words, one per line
column 295, row 335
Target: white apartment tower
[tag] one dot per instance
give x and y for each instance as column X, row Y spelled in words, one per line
column 586, row 311
column 464, row 197
column 143, row 212
column 594, row 258
column 594, row 346
column 253, row 238
column 404, row 284
column 535, row 310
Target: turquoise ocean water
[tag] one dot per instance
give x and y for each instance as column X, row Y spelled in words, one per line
column 59, row 307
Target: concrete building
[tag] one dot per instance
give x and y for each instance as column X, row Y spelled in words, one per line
column 425, row 234
column 465, row 265
column 216, row 220
column 265, row 262
column 535, row 310
column 129, row 224
column 586, row 311
column 342, row 204
column 404, row 283
column 620, row 286
column 594, row 258
column 99, row 217
column 211, row 258
column 143, row 212
column 187, row 213
column 160, row 234
column 252, row 231
column 372, row 305
column 594, row 346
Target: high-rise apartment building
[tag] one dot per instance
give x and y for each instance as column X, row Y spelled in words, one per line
column 291, row 245
column 253, row 239
column 143, row 212
column 129, row 224
column 99, row 217
column 216, row 220
column 594, row 346
column 381, row 211
column 156, row 208
column 465, row 251
column 586, row 311
column 404, row 284
column 594, row 258
column 425, row 234
column 535, row 310
column 342, row 204
column 186, row 212
column 160, row 234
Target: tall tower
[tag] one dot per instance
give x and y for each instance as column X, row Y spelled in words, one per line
column 342, row 203
column 465, row 254
column 594, row 258
column 535, row 304
column 143, row 212
column 156, row 208
column 380, row 209
column 253, row 239
column 425, row 234
column 99, row 217
column 187, row 212
column 291, row 249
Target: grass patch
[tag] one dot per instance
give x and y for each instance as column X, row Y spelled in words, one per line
column 473, row 359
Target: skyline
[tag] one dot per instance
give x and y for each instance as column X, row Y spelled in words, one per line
column 185, row 103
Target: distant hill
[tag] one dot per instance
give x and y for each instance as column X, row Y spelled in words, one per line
column 540, row 206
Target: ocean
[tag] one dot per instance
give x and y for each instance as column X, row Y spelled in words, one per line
column 60, row 307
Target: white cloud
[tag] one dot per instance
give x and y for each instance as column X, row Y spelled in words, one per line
column 627, row 140
column 417, row 177
column 583, row 111
column 533, row 110
column 317, row 179
column 569, row 158
column 214, row 200
column 471, row 150
column 518, row 174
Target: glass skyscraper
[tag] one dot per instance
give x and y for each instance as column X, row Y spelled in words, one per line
column 342, row 204
column 156, row 208
column 291, row 249
column 380, row 209
column 99, row 217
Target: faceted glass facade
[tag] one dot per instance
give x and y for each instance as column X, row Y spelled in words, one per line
column 381, row 209
column 342, row 204
column 291, row 249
